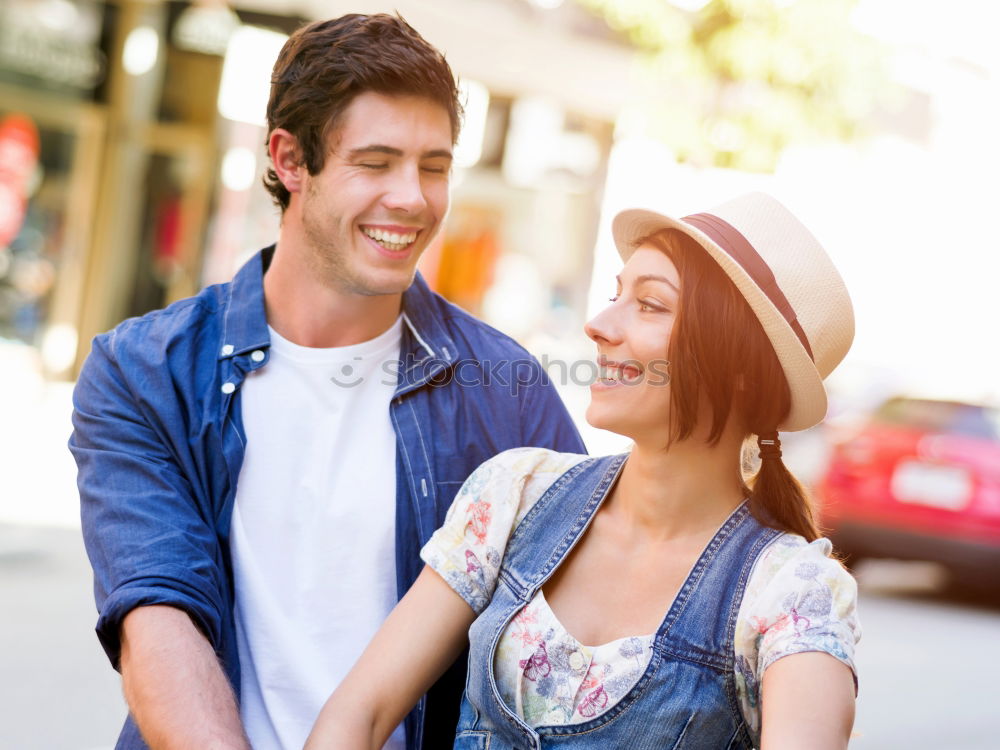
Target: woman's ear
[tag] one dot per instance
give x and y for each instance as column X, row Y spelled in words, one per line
column 286, row 156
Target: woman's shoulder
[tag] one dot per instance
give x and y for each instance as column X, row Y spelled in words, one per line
column 468, row 549
column 791, row 557
column 786, row 547
column 798, row 591
column 531, row 460
column 521, row 475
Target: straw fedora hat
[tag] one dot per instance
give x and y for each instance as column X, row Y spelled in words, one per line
column 785, row 276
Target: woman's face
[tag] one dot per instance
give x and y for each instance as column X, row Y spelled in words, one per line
column 632, row 395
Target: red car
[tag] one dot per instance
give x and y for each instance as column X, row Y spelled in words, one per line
column 920, row 481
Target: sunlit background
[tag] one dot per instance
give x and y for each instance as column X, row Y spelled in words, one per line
column 131, row 152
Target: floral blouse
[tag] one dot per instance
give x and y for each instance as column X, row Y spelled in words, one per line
column 797, row 599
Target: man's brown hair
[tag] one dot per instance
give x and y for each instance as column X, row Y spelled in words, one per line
column 325, row 64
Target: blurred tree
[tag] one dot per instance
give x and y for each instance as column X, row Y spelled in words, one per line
column 735, row 81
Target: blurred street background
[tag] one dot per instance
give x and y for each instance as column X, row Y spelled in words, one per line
column 131, row 152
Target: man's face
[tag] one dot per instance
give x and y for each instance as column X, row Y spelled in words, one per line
column 381, row 195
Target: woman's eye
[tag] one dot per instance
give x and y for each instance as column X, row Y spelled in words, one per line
column 649, row 307
column 435, row 170
column 374, row 166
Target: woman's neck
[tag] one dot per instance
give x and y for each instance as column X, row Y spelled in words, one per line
column 687, row 489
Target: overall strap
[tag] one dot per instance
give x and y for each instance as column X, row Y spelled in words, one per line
column 555, row 523
column 700, row 625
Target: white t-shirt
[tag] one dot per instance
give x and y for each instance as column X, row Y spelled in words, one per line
column 314, row 528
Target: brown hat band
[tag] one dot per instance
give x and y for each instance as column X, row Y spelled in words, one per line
column 726, row 236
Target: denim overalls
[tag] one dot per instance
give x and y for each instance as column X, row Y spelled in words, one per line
column 687, row 696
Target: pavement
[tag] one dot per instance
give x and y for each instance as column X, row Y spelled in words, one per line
column 57, row 691
column 927, row 661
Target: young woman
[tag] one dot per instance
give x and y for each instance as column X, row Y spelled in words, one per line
column 653, row 599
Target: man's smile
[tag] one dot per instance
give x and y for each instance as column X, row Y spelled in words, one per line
column 391, row 237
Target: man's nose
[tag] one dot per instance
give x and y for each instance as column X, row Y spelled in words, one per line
column 406, row 192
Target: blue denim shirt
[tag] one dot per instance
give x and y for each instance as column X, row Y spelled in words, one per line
column 159, row 442
column 686, row 698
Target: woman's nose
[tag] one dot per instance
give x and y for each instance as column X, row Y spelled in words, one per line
column 604, row 327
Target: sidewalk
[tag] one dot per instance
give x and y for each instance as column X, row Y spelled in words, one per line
column 58, row 691
column 36, row 468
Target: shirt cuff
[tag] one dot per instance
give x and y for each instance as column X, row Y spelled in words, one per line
column 837, row 642
column 460, row 569
column 147, row 592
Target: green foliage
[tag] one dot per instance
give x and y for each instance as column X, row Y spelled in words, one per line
column 735, row 82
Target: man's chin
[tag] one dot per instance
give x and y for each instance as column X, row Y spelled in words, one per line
column 385, row 284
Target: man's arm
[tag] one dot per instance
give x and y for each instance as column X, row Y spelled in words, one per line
column 158, row 576
column 175, row 688
column 545, row 422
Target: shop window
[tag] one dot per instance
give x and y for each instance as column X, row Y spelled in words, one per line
column 33, row 201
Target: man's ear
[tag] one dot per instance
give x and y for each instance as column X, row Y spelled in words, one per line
column 287, row 159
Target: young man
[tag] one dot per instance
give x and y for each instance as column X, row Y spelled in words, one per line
column 259, row 465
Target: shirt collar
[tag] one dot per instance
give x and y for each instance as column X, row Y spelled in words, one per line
column 245, row 320
column 245, row 326
column 422, row 316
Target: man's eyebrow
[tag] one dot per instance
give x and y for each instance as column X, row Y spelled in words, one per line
column 375, row 148
column 652, row 277
column 437, row 153
column 378, row 148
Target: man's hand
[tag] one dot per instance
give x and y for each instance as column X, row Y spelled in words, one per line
column 174, row 685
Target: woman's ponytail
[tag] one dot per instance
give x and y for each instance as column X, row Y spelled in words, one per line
column 777, row 498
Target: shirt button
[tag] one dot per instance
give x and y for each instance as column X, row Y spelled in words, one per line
column 227, row 350
column 228, row 388
column 257, row 355
column 576, row 661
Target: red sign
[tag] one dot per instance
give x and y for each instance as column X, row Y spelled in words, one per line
column 18, row 157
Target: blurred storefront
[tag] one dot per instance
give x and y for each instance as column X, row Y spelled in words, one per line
column 133, row 144
column 52, row 130
column 109, row 219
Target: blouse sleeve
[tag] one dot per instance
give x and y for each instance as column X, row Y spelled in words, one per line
column 798, row 599
column 468, row 549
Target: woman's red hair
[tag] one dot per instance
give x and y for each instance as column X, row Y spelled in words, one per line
column 720, row 355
